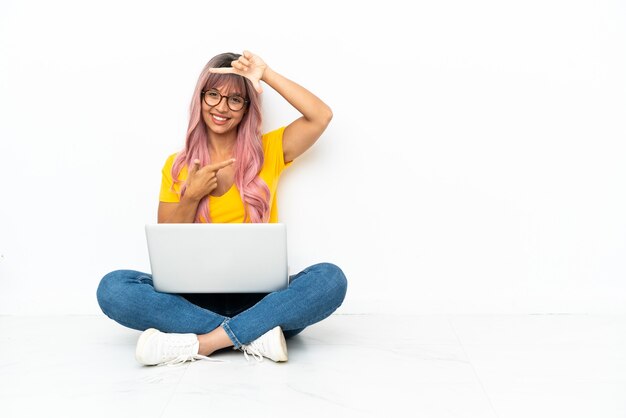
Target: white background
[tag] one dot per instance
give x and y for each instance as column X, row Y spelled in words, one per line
column 475, row 162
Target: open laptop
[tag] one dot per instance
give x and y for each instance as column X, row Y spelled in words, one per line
column 218, row 258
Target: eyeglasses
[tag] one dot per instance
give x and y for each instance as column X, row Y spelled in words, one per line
column 213, row 98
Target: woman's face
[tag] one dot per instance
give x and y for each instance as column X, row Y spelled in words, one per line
column 220, row 118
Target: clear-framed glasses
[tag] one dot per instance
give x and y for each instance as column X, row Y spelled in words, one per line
column 213, row 98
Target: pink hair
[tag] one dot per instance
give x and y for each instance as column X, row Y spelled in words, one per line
column 248, row 149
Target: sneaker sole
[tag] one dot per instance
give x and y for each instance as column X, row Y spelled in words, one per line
column 282, row 356
column 141, row 343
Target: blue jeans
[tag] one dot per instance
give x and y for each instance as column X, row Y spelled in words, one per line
column 128, row 297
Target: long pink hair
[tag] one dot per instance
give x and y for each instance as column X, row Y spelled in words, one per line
column 248, row 150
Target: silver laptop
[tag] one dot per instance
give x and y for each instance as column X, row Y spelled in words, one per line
column 218, row 258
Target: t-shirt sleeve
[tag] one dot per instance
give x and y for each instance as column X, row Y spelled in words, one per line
column 273, row 149
column 167, row 194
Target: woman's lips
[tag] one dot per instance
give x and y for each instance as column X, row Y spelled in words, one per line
column 219, row 120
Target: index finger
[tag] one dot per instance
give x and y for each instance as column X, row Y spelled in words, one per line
column 222, row 70
column 218, row 166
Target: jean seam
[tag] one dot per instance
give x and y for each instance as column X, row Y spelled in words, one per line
column 231, row 334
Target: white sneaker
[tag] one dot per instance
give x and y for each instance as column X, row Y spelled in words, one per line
column 156, row 347
column 271, row 345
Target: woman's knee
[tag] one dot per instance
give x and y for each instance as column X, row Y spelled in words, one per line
column 334, row 280
column 111, row 288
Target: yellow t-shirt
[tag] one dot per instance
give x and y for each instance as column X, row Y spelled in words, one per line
column 229, row 207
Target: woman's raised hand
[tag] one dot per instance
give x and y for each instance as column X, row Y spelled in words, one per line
column 202, row 181
column 248, row 65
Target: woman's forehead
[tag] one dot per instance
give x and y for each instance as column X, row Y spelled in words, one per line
column 228, row 85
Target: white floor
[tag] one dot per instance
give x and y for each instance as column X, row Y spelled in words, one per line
column 347, row 366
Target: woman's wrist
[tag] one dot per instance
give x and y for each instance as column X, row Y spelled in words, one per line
column 188, row 199
column 268, row 74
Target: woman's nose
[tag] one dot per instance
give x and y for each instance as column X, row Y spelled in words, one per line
column 223, row 106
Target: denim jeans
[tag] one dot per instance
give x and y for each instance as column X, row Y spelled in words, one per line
column 128, row 297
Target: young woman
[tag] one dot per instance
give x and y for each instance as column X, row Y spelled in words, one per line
column 228, row 172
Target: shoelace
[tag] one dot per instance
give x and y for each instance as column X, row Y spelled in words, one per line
column 253, row 350
column 181, row 353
